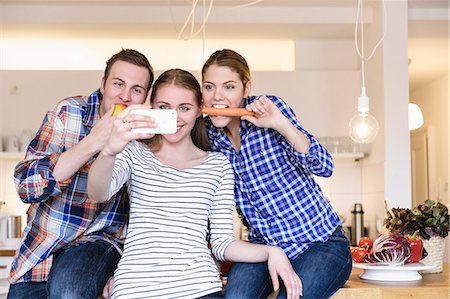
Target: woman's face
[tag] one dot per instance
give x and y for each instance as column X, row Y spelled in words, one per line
column 222, row 88
column 184, row 102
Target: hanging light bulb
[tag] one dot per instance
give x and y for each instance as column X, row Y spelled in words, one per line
column 363, row 126
column 415, row 117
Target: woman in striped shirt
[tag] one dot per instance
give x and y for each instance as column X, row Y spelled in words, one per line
column 179, row 193
column 275, row 160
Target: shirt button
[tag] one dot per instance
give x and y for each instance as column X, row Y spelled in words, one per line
column 276, row 240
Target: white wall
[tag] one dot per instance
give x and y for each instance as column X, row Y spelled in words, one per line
column 36, row 93
column 319, row 99
column 323, row 91
column 323, row 106
column 434, row 100
column 321, row 103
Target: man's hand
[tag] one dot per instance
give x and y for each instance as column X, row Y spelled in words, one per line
column 101, row 130
column 75, row 157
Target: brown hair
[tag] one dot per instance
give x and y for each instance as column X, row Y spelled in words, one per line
column 231, row 59
column 183, row 79
column 133, row 57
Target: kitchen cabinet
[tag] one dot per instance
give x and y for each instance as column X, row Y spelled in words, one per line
column 342, row 148
column 8, row 162
column 347, row 156
column 5, row 266
column 8, row 248
column 16, row 156
column 8, row 193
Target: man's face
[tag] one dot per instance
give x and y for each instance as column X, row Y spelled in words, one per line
column 126, row 84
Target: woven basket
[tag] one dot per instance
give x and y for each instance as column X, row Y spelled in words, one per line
column 435, row 248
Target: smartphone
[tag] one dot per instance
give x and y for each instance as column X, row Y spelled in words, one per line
column 166, row 119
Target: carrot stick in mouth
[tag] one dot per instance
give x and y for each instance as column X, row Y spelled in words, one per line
column 226, row 111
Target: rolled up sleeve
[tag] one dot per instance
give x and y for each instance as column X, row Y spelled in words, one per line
column 33, row 176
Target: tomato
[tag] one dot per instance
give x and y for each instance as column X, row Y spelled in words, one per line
column 358, row 254
column 365, row 242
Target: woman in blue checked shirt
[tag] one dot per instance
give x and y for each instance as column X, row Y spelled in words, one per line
column 274, row 160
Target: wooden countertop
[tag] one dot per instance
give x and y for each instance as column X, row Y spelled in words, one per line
column 431, row 286
column 8, row 247
column 7, row 252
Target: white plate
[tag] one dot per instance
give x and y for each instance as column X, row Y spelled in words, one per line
column 378, row 272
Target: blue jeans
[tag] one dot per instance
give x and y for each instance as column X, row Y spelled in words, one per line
column 323, row 269
column 80, row 271
column 216, row 295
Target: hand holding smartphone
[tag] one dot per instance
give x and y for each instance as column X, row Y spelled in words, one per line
column 165, row 119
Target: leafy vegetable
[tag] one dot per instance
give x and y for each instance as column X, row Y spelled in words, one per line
column 430, row 218
column 392, row 249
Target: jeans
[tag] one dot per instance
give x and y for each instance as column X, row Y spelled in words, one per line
column 323, row 268
column 80, row 271
column 216, row 295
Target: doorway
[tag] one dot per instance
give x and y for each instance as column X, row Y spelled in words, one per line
column 420, row 166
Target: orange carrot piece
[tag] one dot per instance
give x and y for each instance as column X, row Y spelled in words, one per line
column 226, row 111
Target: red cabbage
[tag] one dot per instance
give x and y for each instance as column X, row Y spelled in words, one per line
column 392, row 249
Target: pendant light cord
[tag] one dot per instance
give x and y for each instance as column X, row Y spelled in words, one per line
column 361, row 52
column 190, row 20
column 360, row 20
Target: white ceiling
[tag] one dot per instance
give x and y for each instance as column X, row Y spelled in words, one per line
column 269, row 19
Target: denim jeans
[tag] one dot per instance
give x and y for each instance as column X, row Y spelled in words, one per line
column 216, row 295
column 323, row 268
column 80, row 271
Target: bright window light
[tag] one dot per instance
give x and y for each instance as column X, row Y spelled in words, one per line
column 91, row 54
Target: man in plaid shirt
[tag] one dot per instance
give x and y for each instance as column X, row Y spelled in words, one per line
column 71, row 245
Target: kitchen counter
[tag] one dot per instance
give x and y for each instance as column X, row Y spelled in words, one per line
column 8, row 249
column 7, row 252
column 434, row 286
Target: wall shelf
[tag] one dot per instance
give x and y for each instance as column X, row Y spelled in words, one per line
column 347, row 156
column 12, row 155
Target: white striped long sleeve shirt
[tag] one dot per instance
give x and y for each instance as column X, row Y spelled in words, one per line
column 166, row 254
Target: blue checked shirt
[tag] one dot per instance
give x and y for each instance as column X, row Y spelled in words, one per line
column 60, row 213
column 275, row 188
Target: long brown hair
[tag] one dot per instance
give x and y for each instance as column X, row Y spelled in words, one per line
column 231, row 59
column 186, row 80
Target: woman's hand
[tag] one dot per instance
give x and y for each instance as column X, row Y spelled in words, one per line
column 121, row 132
column 267, row 114
column 107, row 290
column 279, row 265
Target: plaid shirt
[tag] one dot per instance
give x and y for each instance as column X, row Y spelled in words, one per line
column 275, row 188
column 60, row 214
